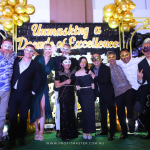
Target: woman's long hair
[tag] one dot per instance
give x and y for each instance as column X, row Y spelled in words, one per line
column 62, row 67
column 86, row 67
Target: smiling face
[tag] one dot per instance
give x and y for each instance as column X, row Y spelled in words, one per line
column 28, row 52
column 145, row 49
column 66, row 64
column 83, row 63
column 47, row 50
column 125, row 56
column 65, row 50
column 111, row 59
column 96, row 60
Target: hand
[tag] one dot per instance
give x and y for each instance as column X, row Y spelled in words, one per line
column 140, row 75
column 92, row 74
column 78, row 87
column 68, row 81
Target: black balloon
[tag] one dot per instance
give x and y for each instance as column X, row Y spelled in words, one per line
column 139, row 38
column 135, row 52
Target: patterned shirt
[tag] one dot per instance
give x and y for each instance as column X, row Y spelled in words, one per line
column 6, row 70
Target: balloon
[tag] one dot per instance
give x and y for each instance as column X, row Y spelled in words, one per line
column 128, row 1
column 5, row 29
column 20, row 9
column 113, row 23
column 12, row 2
column 24, row 17
column 108, row 10
column 132, row 23
column 30, row 128
column 19, row 22
column 23, row 2
column 105, row 19
column 1, row 7
column 117, row 2
column 124, row 6
column 8, row 11
column 29, row 9
column 118, row 9
column 8, row 23
column 132, row 6
column 139, row 38
column 15, row 16
column 127, row 15
column 2, row 17
column 126, row 27
column 135, row 53
column 4, row 2
column 116, row 15
column 121, row 16
column 108, row 126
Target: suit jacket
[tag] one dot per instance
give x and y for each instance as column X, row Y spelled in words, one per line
column 25, row 79
column 104, row 81
column 146, row 70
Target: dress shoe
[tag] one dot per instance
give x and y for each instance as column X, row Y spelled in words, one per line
column 2, row 146
column 10, row 145
column 58, row 135
column 101, row 133
column 22, row 142
column 123, row 136
column 147, row 136
column 111, row 137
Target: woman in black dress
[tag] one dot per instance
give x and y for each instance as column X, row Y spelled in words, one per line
column 85, row 92
column 65, row 80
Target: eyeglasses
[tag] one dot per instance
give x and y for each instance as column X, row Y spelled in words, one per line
column 66, row 62
column 111, row 57
column 47, row 49
column 7, row 46
column 65, row 49
column 124, row 55
column 146, row 49
column 29, row 50
column 96, row 58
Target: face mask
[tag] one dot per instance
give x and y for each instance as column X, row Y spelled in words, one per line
column 65, row 49
column 111, row 57
column 29, row 50
column 124, row 55
column 67, row 62
column 7, row 46
column 146, row 49
column 96, row 58
column 47, row 49
column 83, row 62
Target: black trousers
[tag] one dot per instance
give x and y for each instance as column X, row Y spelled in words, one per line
column 17, row 101
column 110, row 105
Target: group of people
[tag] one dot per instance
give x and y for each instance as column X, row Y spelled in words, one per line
column 24, row 86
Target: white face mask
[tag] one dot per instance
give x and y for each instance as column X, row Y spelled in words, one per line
column 29, row 50
column 67, row 62
column 65, row 49
column 7, row 46
column 47, row 49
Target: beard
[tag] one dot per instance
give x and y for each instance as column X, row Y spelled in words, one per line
column 6, row 55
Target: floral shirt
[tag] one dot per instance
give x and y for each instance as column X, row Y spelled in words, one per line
column 6, row 70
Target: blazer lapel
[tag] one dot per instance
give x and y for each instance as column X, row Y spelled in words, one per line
column 100, row 69
column 28, row 67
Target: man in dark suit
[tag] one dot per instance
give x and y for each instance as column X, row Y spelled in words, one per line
column 25, row 70
column 144, row 75
column 102, row 79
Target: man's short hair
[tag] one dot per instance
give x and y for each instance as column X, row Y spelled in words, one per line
column 9, row 40
column 110, row 52
column 47, row 44
column 30, row 46
column 125, row 49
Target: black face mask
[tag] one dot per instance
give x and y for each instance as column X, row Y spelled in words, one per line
column 146, row 49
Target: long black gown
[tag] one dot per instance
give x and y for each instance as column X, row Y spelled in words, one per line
column 86, row 99
column 68, row 127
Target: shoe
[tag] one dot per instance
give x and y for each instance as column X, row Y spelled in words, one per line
column 41, row 138
column 123, row 136
column 10, row 145
column 111, row 137
column 101, row 133
column 22, row 142
column 36, row 137
column 85, row 137
column 2, row 146
column 89, row 137
column 147, row 136
column 58, row 135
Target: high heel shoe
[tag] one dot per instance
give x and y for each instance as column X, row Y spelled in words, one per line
column 85, row 136
column 89, row 137
column 41, row 138
column 36, row 137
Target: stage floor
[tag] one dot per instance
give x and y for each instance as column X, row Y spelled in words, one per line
column 50, row 142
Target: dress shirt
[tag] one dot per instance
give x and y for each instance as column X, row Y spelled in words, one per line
column 96, row 70
column 130, row 70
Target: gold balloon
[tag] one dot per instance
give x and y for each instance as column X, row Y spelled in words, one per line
column 11, row 31
column 8, row 11
column 116, row 15
column 117, row 2
column 1, row 7
column 105, row 19
column 29, row 9
column 108, row 10
column 5, row 29
column 121, row 16
column 113, row 23
column 124, row 6
column 4, row 2
column 132, row 6
column 128, row 1
column 8, row 23
column 23, row 2
column 118, row 9
column 19, row 22
column 12, row 2
column 128, row 16
column 30, row 128
column 20, row 9
column 24, row 17
column 126, row 27
column 2, row 17
column 132, row 23
column 15, row 16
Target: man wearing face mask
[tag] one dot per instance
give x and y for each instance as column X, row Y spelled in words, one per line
column 102, row 80
column 24, row 71
column 7, row 58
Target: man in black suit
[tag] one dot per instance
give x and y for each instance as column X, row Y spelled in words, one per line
column 144, row 75
column 25, row 70
column 102, row 79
